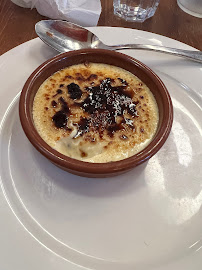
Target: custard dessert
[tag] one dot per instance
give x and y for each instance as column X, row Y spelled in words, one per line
column 95, row 113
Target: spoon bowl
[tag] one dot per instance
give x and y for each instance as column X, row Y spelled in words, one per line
column 66, row 36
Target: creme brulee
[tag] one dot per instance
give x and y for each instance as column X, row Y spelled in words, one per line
column 95, row 113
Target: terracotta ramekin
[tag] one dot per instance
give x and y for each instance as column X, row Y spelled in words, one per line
column 97, row 56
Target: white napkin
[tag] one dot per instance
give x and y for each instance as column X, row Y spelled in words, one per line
column 82, row 12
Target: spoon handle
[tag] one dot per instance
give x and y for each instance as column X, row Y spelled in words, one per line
column 193, row 55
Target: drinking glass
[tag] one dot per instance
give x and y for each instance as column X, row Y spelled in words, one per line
column 192, row 7
column 135, row 10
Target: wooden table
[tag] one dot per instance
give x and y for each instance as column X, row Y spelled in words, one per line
column 17, row 24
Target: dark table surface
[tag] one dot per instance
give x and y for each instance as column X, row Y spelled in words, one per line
column 17, row 24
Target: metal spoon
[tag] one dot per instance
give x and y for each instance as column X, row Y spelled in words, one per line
column 65, row 36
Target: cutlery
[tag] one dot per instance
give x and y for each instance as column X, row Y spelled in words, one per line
column 65, row 36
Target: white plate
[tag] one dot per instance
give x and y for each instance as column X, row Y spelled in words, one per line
column 149, row 218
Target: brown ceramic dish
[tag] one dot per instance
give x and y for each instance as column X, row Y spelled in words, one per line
column 97, row 56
